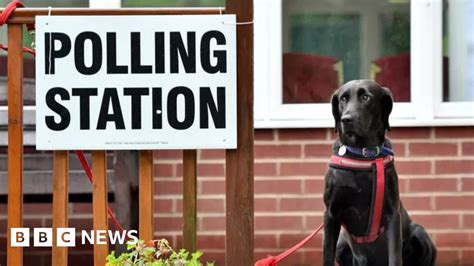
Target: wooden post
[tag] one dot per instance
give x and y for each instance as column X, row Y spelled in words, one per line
column 145, row 201
column 15, row 139
column 189, row 200
column 99, row 202
column 60, row 202
column 239, row 162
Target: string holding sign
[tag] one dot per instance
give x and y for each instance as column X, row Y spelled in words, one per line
column 235, row 23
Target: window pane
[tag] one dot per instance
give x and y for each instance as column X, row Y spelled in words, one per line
column 173, row 3
column 458, row 50
column 327, row 43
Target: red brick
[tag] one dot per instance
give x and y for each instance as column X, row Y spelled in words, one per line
column 211, row 241
column 289, row 240
column 413, row 167
column 412, row 203
column 168, row 187
column 313, row 221
column 465, row 239
column 81, row 208
column 454, row 132
column 301, row 204
column 409, row 133
column 437, row 221
column 163, row 170
column 454, row 202
column 403, row 185
column 318, row 150
column 208, row 169
column 467, row 257
column 277, row 151
column 213, row 224
column 455, row 166
column 433, row 184
column 310, row 257
column 163, row 206
column 167, row 154
column 467, row 148
column 278, row 222
column 81, row 223
column 265, row 205
column 468, row 221
column 264, row 134
column 467, row 184
column 399, row 149
column 296, row 169
column 448, row 257
column 277, row 186
column 265, row 169
column 3, row 208
column 38, row 208
column 165, row 224
column 314, row 186
column 212, row 154
column 210, row 205
column 265, row 241
column 433, row 149
column 302, row 134
column 213, row 187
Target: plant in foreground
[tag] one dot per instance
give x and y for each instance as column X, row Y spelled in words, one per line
column 155, row 253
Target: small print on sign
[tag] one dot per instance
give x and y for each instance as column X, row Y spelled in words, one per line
column 135, row 82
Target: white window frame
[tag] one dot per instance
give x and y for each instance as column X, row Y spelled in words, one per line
column 425, row 109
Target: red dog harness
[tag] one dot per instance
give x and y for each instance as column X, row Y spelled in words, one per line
column 377, row 206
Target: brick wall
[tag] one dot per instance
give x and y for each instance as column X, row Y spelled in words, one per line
column 435, row 166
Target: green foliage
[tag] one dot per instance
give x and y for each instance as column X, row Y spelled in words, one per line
column 155, row 253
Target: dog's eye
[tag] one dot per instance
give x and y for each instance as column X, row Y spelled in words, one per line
column 344, row 99
column 365, row 97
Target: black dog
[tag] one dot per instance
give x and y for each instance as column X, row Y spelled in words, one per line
column 361, row 187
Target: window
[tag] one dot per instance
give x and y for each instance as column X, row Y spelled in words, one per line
column 306, row 49
column 457, row 61
column 326, row 43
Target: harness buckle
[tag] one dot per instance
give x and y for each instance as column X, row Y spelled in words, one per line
column 367, row 152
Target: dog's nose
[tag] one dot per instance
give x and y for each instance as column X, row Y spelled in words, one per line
column 346, row 119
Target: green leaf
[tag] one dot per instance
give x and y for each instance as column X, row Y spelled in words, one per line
column 196, row 255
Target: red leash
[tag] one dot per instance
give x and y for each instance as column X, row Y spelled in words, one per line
column 26, row 50
column 4, row 16
column 272, row 261
column 87, row 169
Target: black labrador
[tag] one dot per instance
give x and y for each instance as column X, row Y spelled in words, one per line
column 361, row 109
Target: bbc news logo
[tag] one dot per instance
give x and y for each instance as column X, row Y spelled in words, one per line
column 66, row 237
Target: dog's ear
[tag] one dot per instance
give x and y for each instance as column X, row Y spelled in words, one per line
column 387, row 104
column 335, row 109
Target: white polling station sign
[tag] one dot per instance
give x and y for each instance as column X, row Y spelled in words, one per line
column 135, row 82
